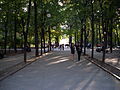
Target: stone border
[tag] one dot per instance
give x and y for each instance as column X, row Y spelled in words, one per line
column 11, row 70
column 106, row 67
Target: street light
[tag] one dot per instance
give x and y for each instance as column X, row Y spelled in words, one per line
column 48, row 15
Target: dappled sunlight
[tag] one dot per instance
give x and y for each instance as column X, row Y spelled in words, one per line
column 112, row 60
column 59, row 61
column 10, row 60
column 35, row 58
column 89, row 63
column 71, row 66
column 80, row 63
column 53, row 58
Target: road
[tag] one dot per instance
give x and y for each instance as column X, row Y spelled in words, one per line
column 57, row 71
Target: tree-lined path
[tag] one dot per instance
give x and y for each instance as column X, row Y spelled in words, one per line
column 57, row 71
column 31, row 30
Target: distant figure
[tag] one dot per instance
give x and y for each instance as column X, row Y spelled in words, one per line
column 63, row 47
column 60, row 46
column 72, row 48
column 52, row 46
column 89, row 45
column 78, row 49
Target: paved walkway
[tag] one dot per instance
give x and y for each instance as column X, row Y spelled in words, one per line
column 10, row 61
column 57, row 72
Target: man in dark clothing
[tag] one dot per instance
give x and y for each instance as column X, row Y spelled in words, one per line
column 78, row 49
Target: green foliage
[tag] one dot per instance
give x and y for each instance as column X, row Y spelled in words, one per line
column 63, row 12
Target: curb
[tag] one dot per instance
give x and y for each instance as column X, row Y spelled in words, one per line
column 19, row 66
column 106, row 67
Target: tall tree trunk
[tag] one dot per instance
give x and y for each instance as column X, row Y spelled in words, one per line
column 6, row 33
column 44, row 39
column 100, row 38
column 36, row 30
column 103, row 30
column 49, row 31
column 26, row 33
column 75, row 37
column 103, row 58
column 41, row 40
column 70, row 39
column 15, row 30
column 105, row 40
column 97, row 31
column 92, row 25
column 85, row 39
column 81, row 40
column 111, row 35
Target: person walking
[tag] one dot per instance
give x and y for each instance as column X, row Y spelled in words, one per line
column 78, row 49
column 72, row 48
column 63, row 47
column 60, row 46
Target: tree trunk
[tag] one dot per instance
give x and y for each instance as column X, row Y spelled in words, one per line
column 97, row 31
column 6, row 33
column 49, row 38
column 85, row 39
column 100, row 33
column 103, row 58
column 44, row 39
column 92, row 25
column 75, row 37
column 41, row 40
column 26, row 33
column 36, row 30
column 70, row 39
column 81, row 40
column 111, row 35
column 15, row 30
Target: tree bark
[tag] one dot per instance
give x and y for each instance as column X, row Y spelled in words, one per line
column 26, row 33
column 41, row 41
column 85, row 39
column 36, row 30
column 75, row 37
column 15, row 30
column 6, row 33
column 81, row 41
column 49, row 38
column 111, row 35
column 92, row 25
column 44, row 39
column 100, row 33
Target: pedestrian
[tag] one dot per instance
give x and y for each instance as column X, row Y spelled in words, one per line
column 72, row 48
column 60, row 46
column 78, row 49
column 63, row 47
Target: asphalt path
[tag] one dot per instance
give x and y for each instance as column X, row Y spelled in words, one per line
column 57, row 71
